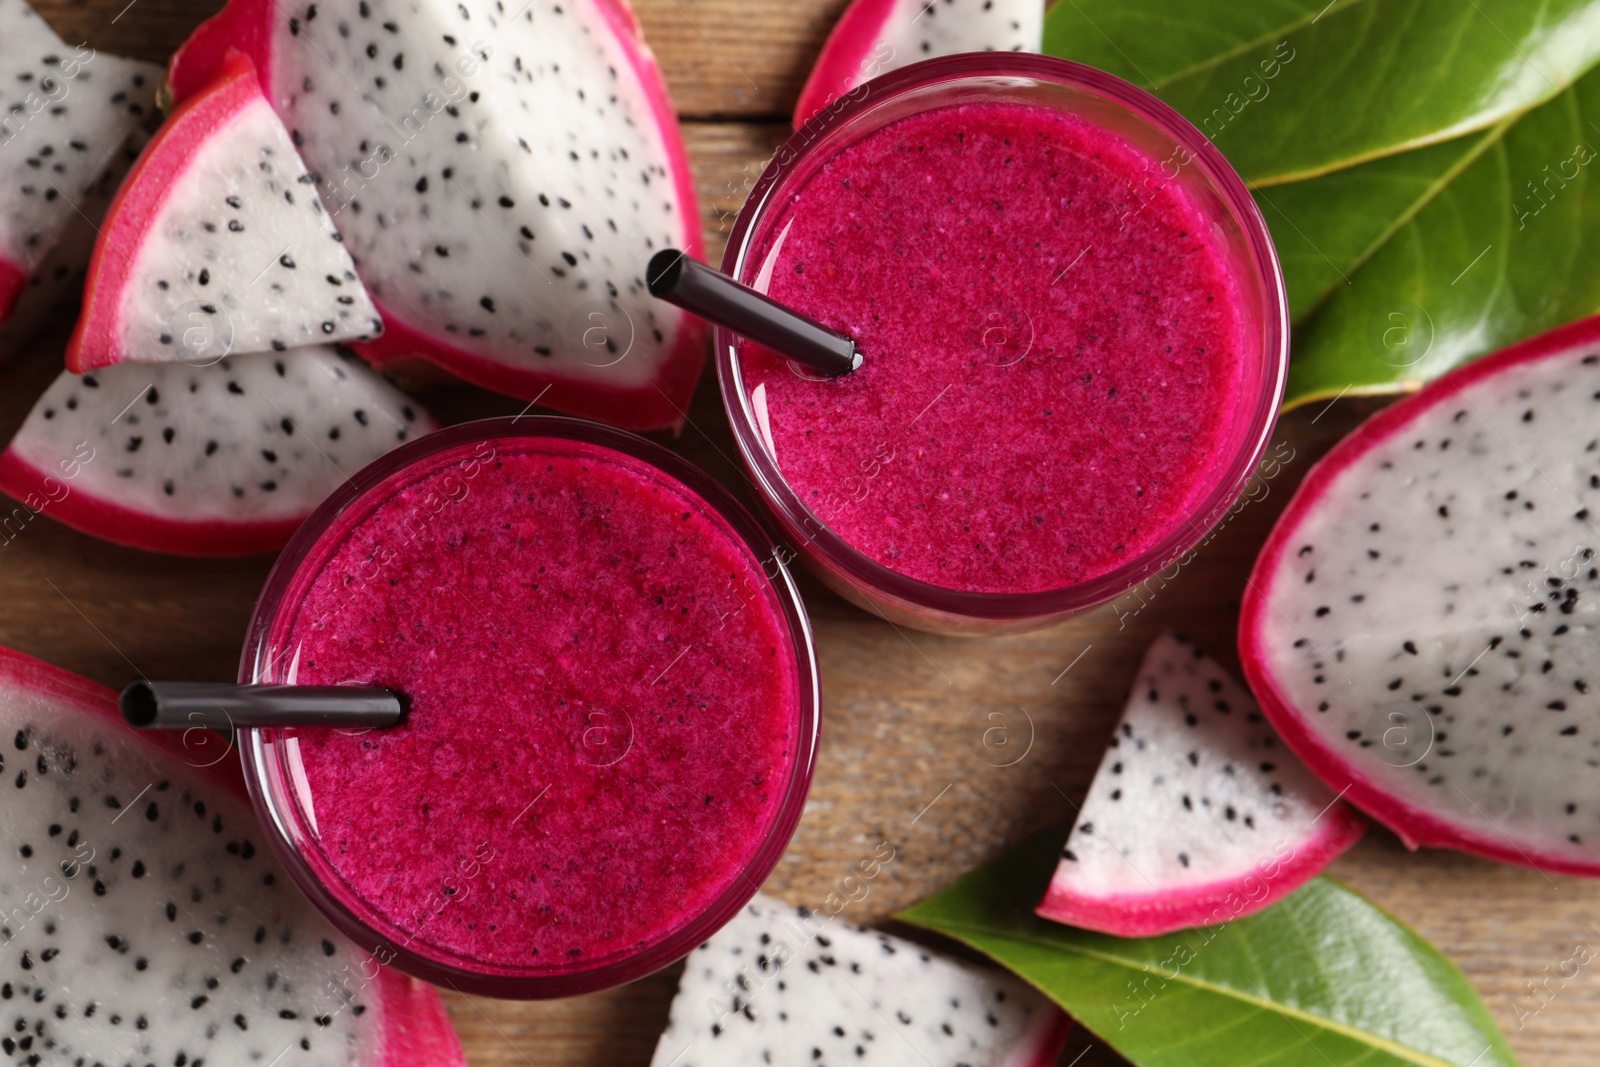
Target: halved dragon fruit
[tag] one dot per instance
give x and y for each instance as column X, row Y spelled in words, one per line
column 224, row 460
column 874, row 37
column 501, row 174
column 785, row 986
column 218, row 244
column 1198, row 815
column 65, row 112
column 142, row 923
column 55, row 286
column 1423, row 625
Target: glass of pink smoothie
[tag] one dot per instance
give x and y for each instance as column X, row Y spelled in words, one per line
column 1075, row 333
column 612, row 707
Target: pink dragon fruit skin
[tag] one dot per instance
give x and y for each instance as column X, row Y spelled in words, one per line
column 1198, row 815
column 1423, row 624
column 135, row 852
column 873, row 37
column 509, row 247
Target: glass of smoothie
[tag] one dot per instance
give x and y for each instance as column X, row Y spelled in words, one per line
column 1075, row 336
column 611, row 707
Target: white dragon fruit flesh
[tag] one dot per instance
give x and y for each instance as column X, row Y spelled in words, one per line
column 501, row 175
column 1198, row 814
column 226, row 459
column 218, row 245
column 874, row 37
column 65, row 112
column 142, row 923
column 787, row 987
column 55, row 286
column 1423, row 625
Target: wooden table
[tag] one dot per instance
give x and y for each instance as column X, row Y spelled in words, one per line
column 901, row 757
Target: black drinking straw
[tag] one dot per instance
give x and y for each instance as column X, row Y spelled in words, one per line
column 674, row 277
column 221, row 706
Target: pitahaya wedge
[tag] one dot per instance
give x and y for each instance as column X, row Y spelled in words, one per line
column 144, row 923
column 1198, row 815
column 1423, row 625
column 784, row 986
column 65, row 111
column 501, row 174
column 218, row 244
column 224, row 460
column 874, row 37
column 55, row 286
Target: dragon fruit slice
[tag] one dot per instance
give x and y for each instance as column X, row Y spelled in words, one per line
column 142, row 922
column 501, row 174
column 218, row 244
column 1423, row 625
column 224, row 460
column 783, row 986
column 1198, row 814
column 64, row 113
column 874, row 37
column 56, row 284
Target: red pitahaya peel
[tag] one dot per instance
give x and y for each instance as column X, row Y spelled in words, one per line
column 142, row 923
column 217, row 244
column 552, row 237
column 874, row 37
column 225, row 460
column 1423, row 624
column 1198, row 814
column 13, row 280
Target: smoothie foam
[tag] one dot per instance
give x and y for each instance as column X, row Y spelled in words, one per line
column 1053, row 348
column 602, row 724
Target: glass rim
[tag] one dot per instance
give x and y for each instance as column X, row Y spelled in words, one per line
column 867, row 573
column 385, row 941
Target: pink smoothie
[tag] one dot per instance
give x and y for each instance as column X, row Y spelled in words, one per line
column 603, row 715
column 1053, row 345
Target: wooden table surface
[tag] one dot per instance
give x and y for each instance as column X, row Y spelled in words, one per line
column 904, row 714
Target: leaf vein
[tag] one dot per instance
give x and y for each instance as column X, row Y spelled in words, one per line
column 1394, row 1048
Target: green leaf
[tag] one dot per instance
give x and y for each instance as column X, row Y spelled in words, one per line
column 1153, row 42
column 1400, row 265
column 1502, row 252
column 1326, row 228
column 1290, row 89
column 1323, row 968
